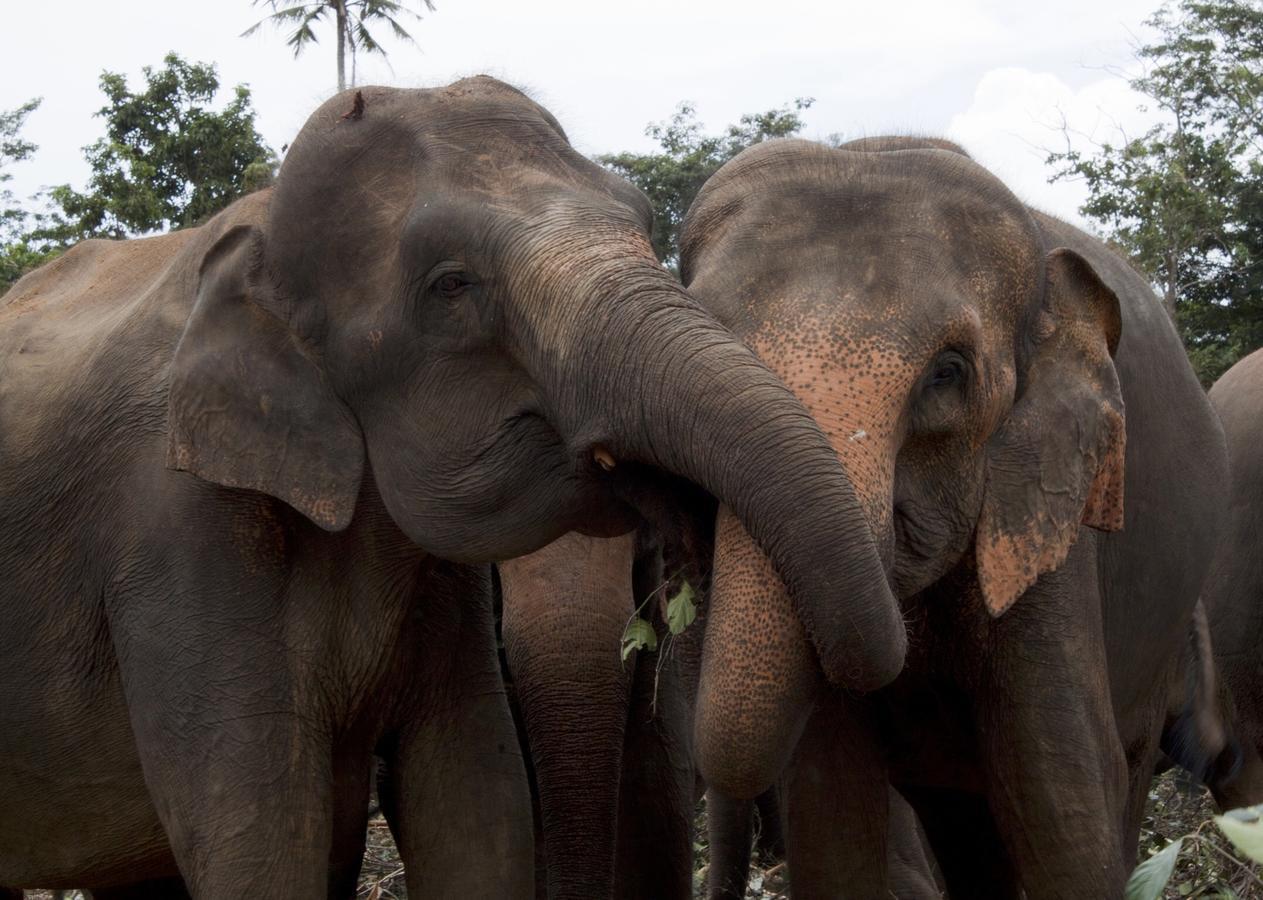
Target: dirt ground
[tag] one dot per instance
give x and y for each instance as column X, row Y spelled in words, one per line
column 1208, row 865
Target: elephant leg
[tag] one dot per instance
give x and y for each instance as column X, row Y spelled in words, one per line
column 729, row 829
column 456, row 784
column 911, row 872
column 158, row 889
column 962, row 833
column 238, row 772
column 654, row 860
column 350, row 820
column 1054, row 767
column 836, row 802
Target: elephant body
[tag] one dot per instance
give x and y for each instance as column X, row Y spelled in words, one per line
column 610, row 741
column 230, row 457
column 993, row 380
column 1234, row 588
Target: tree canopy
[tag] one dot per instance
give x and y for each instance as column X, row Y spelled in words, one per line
column 1185, row 199
column 16, row 255
column 167, row 160
column 672, row 178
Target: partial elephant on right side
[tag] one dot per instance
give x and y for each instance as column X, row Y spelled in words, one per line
column 1233, row 595
column 1043, row 476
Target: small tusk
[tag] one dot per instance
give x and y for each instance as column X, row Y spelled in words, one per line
column 603, row 458
column 859, row 435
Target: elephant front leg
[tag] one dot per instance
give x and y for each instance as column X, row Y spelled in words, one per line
column 1054, row 767
column 729, row 826
column 241, row 780
column 458, row 797
column 836, row 806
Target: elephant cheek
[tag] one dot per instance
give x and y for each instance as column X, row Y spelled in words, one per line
column 758, row 678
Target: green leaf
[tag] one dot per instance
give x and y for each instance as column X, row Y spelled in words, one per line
column 1244, row 827
column 1152, row 875
column 681, row 610
column 639, row 635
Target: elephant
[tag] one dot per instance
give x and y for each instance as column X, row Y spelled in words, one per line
column 1232, row 593
column 995, row 383
column 608, row 739
column 228, row 453
column 610, row 742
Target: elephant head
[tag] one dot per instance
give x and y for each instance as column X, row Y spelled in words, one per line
column 447, row 305
column 961, row 367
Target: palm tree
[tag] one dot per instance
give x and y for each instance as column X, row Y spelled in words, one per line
column 351, row 18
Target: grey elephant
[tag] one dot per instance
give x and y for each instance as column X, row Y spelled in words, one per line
column 610, row 740
column 1044, row 479
column 227, row 453
column 1233, row 589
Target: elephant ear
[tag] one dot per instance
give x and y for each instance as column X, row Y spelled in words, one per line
column 247, row 405
column 1057, row 462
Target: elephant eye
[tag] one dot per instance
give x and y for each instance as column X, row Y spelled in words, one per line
column 948, row 370
column 453, row 284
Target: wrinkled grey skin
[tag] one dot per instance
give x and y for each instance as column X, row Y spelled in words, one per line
column 227, row 453
column 438, row 710
column 972, row 360
column 610, row 742
column 1234, row 590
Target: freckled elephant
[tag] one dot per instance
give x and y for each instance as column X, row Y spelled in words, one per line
column 1234, row 591
column 611, row 742
column 227, row 453
column 995, row 383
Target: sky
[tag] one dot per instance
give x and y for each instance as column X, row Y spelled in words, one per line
column 1002, row 77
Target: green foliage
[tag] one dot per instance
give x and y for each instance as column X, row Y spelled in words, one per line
column 681, row 613
column 1151, row 876
column 18, row 254
column 1184, row 854
column 352, row 20
column 639, row 635
column 672, row 178
column 681, row 610
column 1244, row 828
column 167, row 159
column 13, row 149
column 1185, row 199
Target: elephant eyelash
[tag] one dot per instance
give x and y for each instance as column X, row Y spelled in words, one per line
column 950, row 369
column 452, row 284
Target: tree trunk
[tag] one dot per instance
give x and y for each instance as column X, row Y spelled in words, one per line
column 339, row 11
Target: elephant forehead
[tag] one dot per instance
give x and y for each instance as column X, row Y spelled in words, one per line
column 855, row 371
column 855, row 387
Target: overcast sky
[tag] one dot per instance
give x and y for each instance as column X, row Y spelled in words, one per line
column 999, row 76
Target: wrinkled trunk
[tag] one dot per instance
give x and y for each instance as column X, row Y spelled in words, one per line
column 706, row 408
column 565, row 608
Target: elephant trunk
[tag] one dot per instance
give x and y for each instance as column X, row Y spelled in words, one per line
column 706, row 408
column 565, row 608
column 751, row 708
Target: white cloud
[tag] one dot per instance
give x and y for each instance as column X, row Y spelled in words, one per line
column 1018, row 116
column 987, row 70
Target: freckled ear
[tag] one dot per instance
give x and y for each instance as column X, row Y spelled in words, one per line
column 1057, row 462
column 247, row 405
